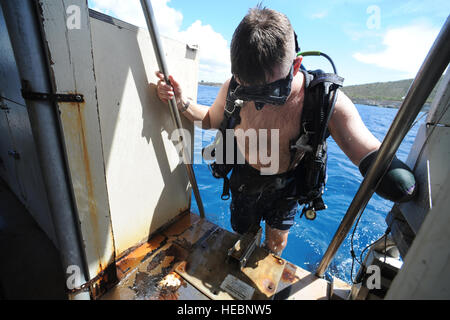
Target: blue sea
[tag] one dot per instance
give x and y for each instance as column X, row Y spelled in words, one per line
column 308, row 240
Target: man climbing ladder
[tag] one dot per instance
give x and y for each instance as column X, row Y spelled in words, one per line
column 269, row 91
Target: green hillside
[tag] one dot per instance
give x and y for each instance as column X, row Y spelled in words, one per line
column 385, row 94
column 382, row 93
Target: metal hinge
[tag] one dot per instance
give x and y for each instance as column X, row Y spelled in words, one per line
column 53, row 97
column 3, row 105
column 14, row 154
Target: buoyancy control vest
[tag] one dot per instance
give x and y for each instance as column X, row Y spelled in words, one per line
column 308, row 153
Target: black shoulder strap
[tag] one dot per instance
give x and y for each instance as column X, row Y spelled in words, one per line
column 308, row 77
column 320, row 77
column 232, row 109
column 320, row 98
column 230, row 120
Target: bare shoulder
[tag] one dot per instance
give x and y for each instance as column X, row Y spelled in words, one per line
column 217, row 108
column 349, row 131
column 345, row 106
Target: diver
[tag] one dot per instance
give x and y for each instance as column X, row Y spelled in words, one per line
column 270, row 90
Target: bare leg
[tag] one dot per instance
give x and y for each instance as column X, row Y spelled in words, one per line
column 276, row 240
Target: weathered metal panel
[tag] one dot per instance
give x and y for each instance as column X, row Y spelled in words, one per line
column 72, row 67
column 417, row 146
column 432, row 173
column 147, row 184
column 19, row 164
column 125, row 170
column 429, row 158
column 439, row 112
column 28, row 172
column 426, row 269
column 9, row 76
column 7, row 163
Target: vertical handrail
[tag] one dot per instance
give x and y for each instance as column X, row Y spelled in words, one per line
column 431, row 70
column 151, row 23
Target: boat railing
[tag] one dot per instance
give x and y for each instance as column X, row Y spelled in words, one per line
column 429, row 74
column 154, row 34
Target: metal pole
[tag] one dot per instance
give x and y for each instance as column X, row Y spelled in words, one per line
column 434, row 65
column 151, row 23
column 26, row 39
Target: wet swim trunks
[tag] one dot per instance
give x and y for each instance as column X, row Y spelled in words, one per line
column 256, row 198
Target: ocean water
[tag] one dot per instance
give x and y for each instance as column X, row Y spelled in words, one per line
column 308, row 240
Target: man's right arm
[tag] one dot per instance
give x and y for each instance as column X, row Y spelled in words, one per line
column 210, row 117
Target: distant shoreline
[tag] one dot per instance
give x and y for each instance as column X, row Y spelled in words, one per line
column 378, row 103
column 391, row 104
column 380, row 94
column 210, row 84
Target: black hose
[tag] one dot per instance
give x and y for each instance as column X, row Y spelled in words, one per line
column 318, row 53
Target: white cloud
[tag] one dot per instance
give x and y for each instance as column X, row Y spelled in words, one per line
column 214, row 49
column 319, row 15
column 405, row 49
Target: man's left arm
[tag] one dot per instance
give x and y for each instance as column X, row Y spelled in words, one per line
column 360, row 145
column 349, row 131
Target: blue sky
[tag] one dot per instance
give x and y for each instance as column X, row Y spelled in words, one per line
column 369, row 40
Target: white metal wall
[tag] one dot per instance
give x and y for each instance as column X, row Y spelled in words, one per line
column 124, row 169
column 147, row 185
column 72, row 69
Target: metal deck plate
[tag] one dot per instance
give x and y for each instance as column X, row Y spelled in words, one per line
column 187, row 261
column 206, row 268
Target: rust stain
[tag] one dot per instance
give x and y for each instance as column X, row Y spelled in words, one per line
column 181, row 225
column 106, row 280
column 92, row 203
column 99, row 269
column 138, row 255
column 168, row 257
column 79, row 159
column 289, row 274
column 133, row 257
column 161, row 260
column 87, row 166
column 182, row 267
column 269, row 286
column 157, row 280
column 278, row 260
column 196, row 235
column 148, row 268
